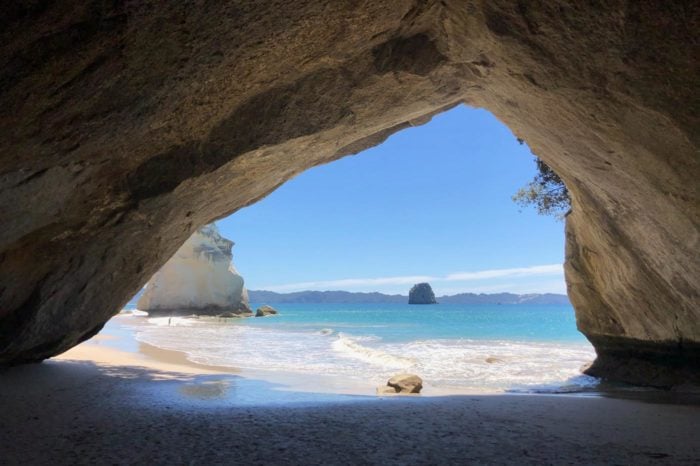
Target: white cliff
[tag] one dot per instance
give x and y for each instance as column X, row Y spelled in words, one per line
column 199, row 279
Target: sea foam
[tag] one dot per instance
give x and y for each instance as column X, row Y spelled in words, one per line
column 350, row 347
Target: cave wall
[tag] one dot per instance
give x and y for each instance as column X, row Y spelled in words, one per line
column 127, row 125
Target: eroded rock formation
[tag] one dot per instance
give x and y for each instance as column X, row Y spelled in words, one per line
column 127, row 125
column 421, row 293
column 264, row 311
column 406, row 383
column 199, row 279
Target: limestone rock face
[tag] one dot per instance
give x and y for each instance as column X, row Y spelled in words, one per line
column 127, row 125
column 199, row 279
column 421, row 293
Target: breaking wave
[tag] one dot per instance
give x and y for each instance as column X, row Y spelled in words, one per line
column 351, row 348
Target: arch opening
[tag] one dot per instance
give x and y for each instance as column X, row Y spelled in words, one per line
column 336, row 249
column 114, row 158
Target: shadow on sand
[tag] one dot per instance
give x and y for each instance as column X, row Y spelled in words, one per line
column 82, row 413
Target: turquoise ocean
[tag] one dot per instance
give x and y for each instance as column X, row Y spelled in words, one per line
column 516, row 348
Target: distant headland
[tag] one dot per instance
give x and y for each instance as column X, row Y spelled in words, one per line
column 347, row 297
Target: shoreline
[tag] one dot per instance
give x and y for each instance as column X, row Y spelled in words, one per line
column 119, row 337
column 103, row 349
column 117, row 346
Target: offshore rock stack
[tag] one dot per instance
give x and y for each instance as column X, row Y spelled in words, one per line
column 421, row 293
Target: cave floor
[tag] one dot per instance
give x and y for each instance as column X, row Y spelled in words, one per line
column 67, row 412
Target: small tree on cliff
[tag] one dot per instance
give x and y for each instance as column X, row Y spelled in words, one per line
column 547, row 192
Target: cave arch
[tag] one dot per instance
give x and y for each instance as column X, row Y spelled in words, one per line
column 128, row 126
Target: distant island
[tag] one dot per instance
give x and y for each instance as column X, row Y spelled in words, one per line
column 347, row 297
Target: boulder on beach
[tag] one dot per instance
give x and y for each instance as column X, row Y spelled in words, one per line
column 421, row 293
column 199, row 279
column 264, row 311
column 405, row 383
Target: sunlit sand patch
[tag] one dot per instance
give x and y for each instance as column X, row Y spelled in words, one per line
column 102, row 337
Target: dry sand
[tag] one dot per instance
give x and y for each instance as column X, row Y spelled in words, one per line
column 100, row 405
column 148, row 357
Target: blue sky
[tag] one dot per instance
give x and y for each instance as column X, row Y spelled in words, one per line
column 432, row 203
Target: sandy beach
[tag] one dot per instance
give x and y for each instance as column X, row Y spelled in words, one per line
column 98, row 404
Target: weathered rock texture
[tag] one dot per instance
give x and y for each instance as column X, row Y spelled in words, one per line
column 199, row 279
column 264, row 311
column 127, row 125
column 421, row 293
column 405, row 383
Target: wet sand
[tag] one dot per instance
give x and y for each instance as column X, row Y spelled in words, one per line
column 121, row 348
column 101, row 405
